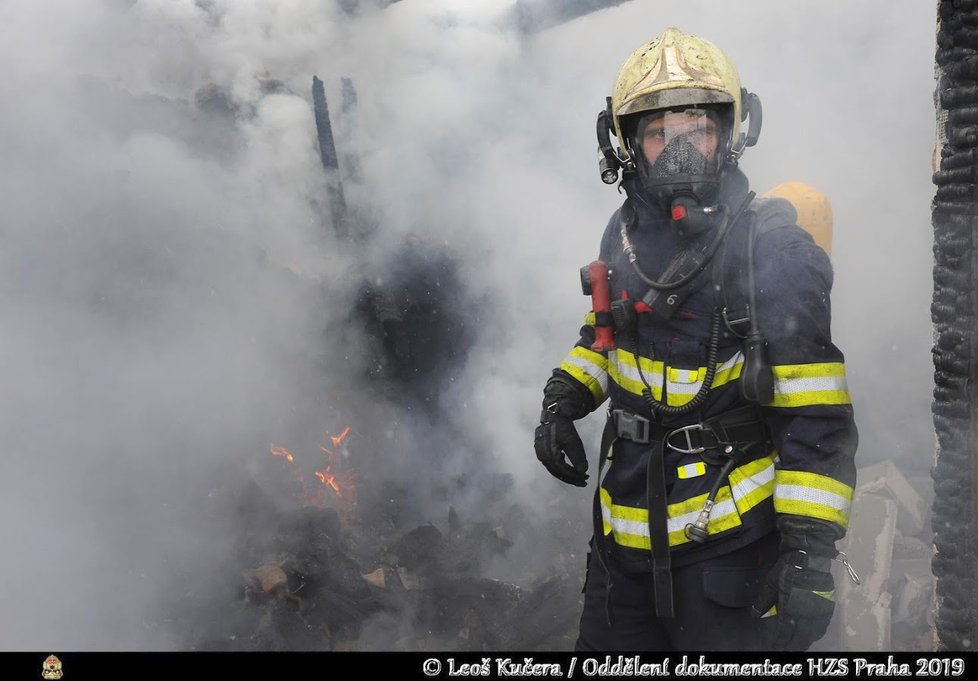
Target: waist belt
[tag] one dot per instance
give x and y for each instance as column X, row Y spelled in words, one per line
column 737, row 426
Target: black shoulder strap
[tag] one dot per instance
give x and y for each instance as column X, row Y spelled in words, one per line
column 731, row 276
column 730, row 271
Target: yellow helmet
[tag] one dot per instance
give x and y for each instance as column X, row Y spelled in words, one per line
column 674, row 70
column 813, row 209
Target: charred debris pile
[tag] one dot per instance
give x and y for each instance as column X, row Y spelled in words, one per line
column 317, row 578
column 398, row 534
column 388, row 535
column 359, row 546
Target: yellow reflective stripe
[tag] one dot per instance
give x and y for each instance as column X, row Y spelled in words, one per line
column 770, row 613
column 729, row 370
column 689, row 381
column 723, row 517
column 605, row 510
column 752, row 483
column 623, row 369
column 797, row 385
column 784, row 372
column 590, row 319
column 827, row 595
column 685, row 375
column 590, row 368
column 802, row 385
column 685, row 383
column 692, row 470
column 626, row 368
column 630, row 525
column 812, row 495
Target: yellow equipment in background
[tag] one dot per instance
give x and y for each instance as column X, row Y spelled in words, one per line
column 813, row 209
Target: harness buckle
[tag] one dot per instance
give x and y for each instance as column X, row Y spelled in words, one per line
column 731, row 322
column 686, row 430
column 632, row 426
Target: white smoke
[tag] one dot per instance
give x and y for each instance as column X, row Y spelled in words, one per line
column 154, row 337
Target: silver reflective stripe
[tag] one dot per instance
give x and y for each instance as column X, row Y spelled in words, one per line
column 789, row 386
column 720, row 510
column 692, row 470
column 620, row 525
column 738, row 358
column 683, row 375
column 812, row 496
column 589, row 368
column 683, row 387
column 744, row 487
column 677, row 524
column 627, row 371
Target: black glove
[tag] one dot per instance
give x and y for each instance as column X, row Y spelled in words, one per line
column 800, row 586
column 556, row 440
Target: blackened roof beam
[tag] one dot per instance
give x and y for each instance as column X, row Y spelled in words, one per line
column 331, row 165
column 351, row 6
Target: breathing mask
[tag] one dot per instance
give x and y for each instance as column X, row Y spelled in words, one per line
column 679, row 162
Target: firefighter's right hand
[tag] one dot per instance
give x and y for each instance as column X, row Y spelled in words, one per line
column 556, row 442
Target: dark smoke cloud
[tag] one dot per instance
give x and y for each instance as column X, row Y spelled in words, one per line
column 167, row 269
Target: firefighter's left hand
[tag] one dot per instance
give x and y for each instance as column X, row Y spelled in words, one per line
column 801, row 597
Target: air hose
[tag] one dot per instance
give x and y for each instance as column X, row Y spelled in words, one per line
column 663, row 409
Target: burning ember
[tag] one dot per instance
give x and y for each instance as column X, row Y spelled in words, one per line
column 338, row 439
column 283, row 452
column 337, row 486
column 327, row 479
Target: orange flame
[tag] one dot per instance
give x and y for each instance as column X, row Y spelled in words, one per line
column 338, row 439
column 333, row 476
column 327, row 478
column 283, row 452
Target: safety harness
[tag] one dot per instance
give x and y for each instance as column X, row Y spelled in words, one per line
column 723, row 440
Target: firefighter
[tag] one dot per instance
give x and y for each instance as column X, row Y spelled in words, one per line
column 726, row 466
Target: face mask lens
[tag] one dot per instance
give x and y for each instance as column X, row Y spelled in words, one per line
column 679, row 142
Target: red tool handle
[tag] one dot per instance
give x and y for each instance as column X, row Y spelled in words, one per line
column 604, row 337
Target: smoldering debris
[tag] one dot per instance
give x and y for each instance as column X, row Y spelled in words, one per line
column 339, row 578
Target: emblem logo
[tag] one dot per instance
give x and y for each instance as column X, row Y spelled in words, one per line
column 52, row 668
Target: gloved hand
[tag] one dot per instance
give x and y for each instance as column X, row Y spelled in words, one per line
column 556, row 440
column 800, row 586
